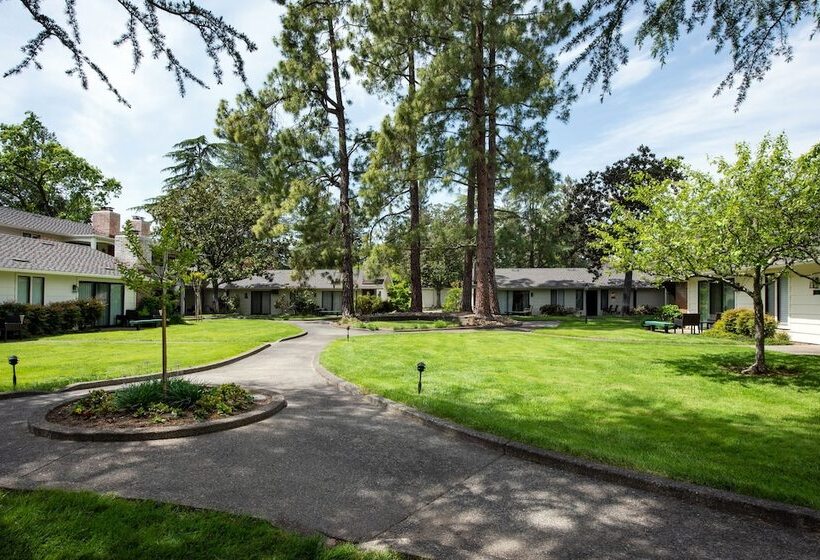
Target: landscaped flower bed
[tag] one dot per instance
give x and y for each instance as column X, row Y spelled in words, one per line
column 145, row 404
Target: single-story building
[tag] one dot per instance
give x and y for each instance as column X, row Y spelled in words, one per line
column 793, row 299
column 270, row 294
column 522, row 289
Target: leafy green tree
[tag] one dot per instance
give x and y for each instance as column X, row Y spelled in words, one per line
column 193, row 159
column 217, row 37
column 213, row 217
column 754, row 222
column 39, row 175
column 444, row 238
column 754, row 33
column 591, row 201
column 158, row 270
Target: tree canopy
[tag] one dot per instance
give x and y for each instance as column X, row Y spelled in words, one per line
column 40, row 175
column 757, row 220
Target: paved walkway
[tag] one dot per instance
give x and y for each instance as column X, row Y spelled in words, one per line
column 332, row 462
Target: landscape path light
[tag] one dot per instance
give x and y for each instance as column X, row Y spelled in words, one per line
column 421, row 367
column 13, row 363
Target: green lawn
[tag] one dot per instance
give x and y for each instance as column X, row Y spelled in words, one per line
column 49, row 524
column 610, row 391
column 52, row 362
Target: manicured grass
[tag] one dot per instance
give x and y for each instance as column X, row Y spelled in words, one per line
column 52, row 524
column 51, row 362
column 610, row 391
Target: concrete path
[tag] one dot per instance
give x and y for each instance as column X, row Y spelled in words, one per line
column 334, row 463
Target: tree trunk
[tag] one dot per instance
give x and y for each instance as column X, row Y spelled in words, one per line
column 438, row 298
column 344, row 178
column 415, row 205
column 759, row 367
column 182, row 298
column 163, row 313
column 492, row 172
column 215, row 288
column 626, row 301
column 469, row 251
column 482, row 307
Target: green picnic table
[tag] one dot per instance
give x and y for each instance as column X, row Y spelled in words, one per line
column 654, row 325
column 137, row 323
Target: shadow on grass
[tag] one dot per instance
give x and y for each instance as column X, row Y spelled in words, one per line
column 802, row 372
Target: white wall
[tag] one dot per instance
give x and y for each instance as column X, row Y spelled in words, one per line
column 804, row 307
column 428, row 297
column 652, row 297
column 8, row 290
column 57, row 287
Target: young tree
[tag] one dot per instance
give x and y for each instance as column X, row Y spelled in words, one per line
column 753, row 32
column 217, row 36
column 38, row 174
column 147, row 277
column 746, row 228
column 591, row 202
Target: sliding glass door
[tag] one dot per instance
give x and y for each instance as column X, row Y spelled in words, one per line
column 112, row 296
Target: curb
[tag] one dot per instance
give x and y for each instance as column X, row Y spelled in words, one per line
column 796, row 517
column 149, row 376
column 39, row 426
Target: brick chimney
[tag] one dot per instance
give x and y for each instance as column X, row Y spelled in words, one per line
column 105, row 222
column 121, row 250
column 141, row 225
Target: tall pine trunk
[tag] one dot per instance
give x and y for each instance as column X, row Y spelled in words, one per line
column 626, row 300
column 344, row 177
column 469, row 250
column 482, row 307
column 492, row 170
column 415, row 204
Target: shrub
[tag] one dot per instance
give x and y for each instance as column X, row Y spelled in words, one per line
column 399, row 294
column 57, row 317
column 644, row 310
column 365, row 305
column 303, row 302
column 670, row 311
column 181, row 394
column 553, row 309
column 742, row 322
column 440, row 324
column 452, row 301
column 224, row 399
column 95, row 403
column 384, row 307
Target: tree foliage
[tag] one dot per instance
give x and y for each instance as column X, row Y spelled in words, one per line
column 216, row 34
column 754, row 33
column 757, row 220
column 39, row 175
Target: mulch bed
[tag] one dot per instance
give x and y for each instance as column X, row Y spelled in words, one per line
column 63, row 415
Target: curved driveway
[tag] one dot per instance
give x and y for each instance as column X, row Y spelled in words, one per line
column 335, row 463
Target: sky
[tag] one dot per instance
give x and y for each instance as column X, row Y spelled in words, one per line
column 670, row 108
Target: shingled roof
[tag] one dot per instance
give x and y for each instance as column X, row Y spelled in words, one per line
column 26, row 221
column 320, row 279
column 558, row 278
column 23, row 253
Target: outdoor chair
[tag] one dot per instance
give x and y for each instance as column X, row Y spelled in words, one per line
column 691, row 320
column 12, row 323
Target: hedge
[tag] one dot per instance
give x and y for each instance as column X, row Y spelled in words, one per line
column 55, row 318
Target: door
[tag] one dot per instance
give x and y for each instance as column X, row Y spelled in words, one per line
column 520, row 301
column 592, row 303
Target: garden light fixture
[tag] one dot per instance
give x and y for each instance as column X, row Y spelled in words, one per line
column 13, row 363
column 421, row 367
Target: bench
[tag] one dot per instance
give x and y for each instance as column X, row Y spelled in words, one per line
column 12, row 323
column 653, row 325
column 137, row 323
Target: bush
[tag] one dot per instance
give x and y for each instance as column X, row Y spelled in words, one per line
column 742, row 322
column 399, row 294
column 553, row 309
column 670, row 311
column 303, row 302
column 55, row 318
column 440, row 324
column 224, row 399
column 95, row 403
column 384, row 307
column 366, row 305
column 644, row 310
column 452, row 301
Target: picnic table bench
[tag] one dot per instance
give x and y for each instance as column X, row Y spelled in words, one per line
column 653, row 325
column 137, row 323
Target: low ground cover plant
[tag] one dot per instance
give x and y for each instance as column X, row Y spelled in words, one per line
column 148, row 400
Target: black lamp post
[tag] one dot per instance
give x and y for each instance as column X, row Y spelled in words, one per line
column 348, row 333
column 420, row 366
column 13, row 363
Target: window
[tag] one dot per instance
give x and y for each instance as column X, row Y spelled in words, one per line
column 713, row 298
column 112, row 296
column 783, row 299
column 579, row 300
column 31, row 289
column 815, row 285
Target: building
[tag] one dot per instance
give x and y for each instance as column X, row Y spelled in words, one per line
column 270, row 294
column 793, row 299
column 45, row 260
